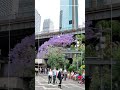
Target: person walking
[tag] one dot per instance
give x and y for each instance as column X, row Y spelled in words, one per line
column 83, row 76
column 49, row 76
column 60, row 78
column 54, row 75
column 45, row 71
column 40, row 70
column 65, row 74
column 57, row 76
column 36, row 71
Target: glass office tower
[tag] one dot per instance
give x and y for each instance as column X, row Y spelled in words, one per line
column 68, row 14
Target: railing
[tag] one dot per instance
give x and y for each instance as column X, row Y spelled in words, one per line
column 51, row 34
column 58, row 30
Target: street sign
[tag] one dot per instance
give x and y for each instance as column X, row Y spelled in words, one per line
column 39, row 61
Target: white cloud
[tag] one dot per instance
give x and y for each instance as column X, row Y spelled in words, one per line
column 51, row 9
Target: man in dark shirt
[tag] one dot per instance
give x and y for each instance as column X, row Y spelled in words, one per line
column 60, row 77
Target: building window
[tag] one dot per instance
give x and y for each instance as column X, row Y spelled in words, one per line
column 70, row 22
column 88, row 3
column 100, row 3
column 61, row 17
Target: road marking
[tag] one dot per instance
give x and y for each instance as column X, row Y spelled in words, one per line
column 77, row 86
column 65, row 85
column 48, row 88
column 40, row 86
column 39, row 79
column 43, row 79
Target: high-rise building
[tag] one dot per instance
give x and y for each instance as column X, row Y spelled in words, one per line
column 68, row 14
column 8, row 8
column 16, row 22
column 12, row 9
column 48, row 26
column 37, row 22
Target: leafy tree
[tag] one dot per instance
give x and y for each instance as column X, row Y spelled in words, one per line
column 81, row 37
column 71, row 68
column 78, row 59
column 56, row 58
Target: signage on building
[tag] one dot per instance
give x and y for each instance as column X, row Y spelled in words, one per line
column 39, row 61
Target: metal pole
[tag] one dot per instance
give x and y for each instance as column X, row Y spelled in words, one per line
column 38, row 69
column 77, row 61
column 77, row 51
column 101, row 58
column 111, row 45
column 81, row 58
column 38, row 49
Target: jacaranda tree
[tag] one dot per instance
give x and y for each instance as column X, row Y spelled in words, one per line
column 56, row 41
column 23, row 56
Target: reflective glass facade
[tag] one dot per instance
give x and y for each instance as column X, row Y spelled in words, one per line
column 68, row 14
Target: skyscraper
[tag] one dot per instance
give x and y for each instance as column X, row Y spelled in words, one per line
column 48, row 26
column 8, row 8
column 37, row 22
column 12, row 9
column 68, row 14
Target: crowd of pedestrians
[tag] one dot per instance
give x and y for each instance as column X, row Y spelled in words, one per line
column 41, row 70
column 56, row 76
column 76, row 76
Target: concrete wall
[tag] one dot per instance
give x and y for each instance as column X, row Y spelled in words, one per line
column 113, row 1
column 12, row 82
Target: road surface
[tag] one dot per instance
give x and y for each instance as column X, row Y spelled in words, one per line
column 41, row 83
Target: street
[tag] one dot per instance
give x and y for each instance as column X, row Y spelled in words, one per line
column 41, row 83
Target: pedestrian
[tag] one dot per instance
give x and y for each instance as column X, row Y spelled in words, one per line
column 40, row 70
column 57, row 76
column 54, row 75
column 36, row 71
column 49, row 76
column 45, row 70
column 60, row 78
column 68, row 75
column 65, row 74
column 83, row 76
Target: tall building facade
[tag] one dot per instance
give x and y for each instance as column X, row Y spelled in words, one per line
column 8, row 8
column 37, row 22
column 12, row 9
column 103, row 8
column 68, row 14
column 48, row 26
column 16, row 22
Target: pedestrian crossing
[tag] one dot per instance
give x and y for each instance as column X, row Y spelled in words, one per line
column 41, row 83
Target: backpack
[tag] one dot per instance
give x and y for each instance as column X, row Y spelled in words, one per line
column 58, row 76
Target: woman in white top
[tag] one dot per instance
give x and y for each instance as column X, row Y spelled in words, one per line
column 50, row 76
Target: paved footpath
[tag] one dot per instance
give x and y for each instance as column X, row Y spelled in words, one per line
column 41, row 83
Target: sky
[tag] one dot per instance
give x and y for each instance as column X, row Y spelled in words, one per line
column 50, row 9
